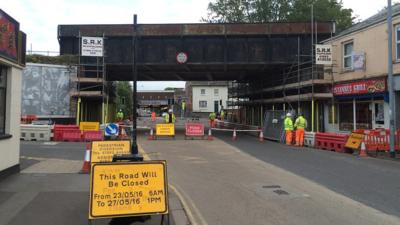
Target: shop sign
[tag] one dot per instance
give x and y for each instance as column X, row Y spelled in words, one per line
column 323, row 54
column 92, row 46
column 103, row 151
column 165, row 129
column 194, row 129
column 360, row 87
column 9, row 29
column 128, row 189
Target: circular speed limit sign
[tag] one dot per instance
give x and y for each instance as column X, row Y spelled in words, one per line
column 181, row 57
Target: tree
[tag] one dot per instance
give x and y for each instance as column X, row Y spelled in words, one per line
column 233, row 11
column 124, row 97
column 324, row 10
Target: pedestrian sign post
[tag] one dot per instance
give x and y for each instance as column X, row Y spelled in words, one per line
column 89, row 126
column 112, row 129
column 128, row 189
column 103, row 151
column 165, row 129
column 194, row 130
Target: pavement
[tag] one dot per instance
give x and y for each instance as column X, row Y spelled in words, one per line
column 50, row 191
column 248, row 182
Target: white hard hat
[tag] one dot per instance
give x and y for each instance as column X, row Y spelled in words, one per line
column 170, row 110
column 288, row 115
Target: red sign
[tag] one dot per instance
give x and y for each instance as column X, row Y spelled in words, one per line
column 360, row 87
column 194, row 129
column 181, row 57
column 8, row 36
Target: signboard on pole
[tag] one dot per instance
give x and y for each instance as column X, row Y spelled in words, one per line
column 194, row 129
column 128, row 189
column 89, row 126
column 103, row 151
column 111, row 129
column 181, row 57
column 360, row 87
column 165, row 129
column 323, row 54
column 92, row 46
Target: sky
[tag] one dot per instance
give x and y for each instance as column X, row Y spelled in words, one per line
column 39, row 18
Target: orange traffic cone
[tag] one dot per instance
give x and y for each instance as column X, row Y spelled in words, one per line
column 86, row 163
column 210, row 137
column 151, row 135
column 363, row 150
column 234, row 137
column 261, row 138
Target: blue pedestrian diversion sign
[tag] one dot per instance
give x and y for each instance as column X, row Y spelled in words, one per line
column 112, row 129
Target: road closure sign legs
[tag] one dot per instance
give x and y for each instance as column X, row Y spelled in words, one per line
column 128, row 189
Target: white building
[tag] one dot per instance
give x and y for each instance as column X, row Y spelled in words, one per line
column 208, row 97
column 12, row 58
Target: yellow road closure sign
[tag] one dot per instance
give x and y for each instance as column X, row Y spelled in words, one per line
column 354, row 141
column 89, row 126
column 165, row 129
column 103, row 151
column 128, row 189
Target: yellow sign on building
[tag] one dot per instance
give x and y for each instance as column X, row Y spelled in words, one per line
column 103, row 151
column 354, row 141
column 165, row 129
column 89, row 126
column 128, row 189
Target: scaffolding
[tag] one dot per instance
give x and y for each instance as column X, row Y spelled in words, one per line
column 92, row 87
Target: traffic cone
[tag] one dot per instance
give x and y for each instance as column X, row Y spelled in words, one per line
column 363, row 150
column 234, row 137
column 261, row 138
column 151, row 135
column 86, row 163
column 210, row 137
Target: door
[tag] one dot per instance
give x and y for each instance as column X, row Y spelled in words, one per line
column 378, row 117
column 216, row 106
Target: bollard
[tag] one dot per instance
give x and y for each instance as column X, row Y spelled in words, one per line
column 86, row 162
column 234, row 137
column 261, row 138
column 151, row 135
column 363, row 151
column 210, row 137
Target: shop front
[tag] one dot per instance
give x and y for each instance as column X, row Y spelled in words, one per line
column 359, row 105
column 12, row 56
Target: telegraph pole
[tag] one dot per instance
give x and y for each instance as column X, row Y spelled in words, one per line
column 390, row 81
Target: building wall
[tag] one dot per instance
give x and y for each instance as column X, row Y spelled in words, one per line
column 10, row 146
column 373, row 42
column 209, row 97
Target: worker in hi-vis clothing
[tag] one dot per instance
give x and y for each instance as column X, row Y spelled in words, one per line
column 300, row 124
column 170, row 117
column 120, row 115
column 212, row 117
column 288, row 129
column 222, row 114
column 183, row 109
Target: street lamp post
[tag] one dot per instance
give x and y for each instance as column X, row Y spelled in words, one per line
column 134, row 147
column 390, row 81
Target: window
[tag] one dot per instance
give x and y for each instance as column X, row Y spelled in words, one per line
column 347, row 56
column 216, row 91
column 203, row 104
column 203, row 91
column 3, row 92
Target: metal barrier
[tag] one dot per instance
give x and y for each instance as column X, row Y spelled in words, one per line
column 35, row 132
column 309, row 139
